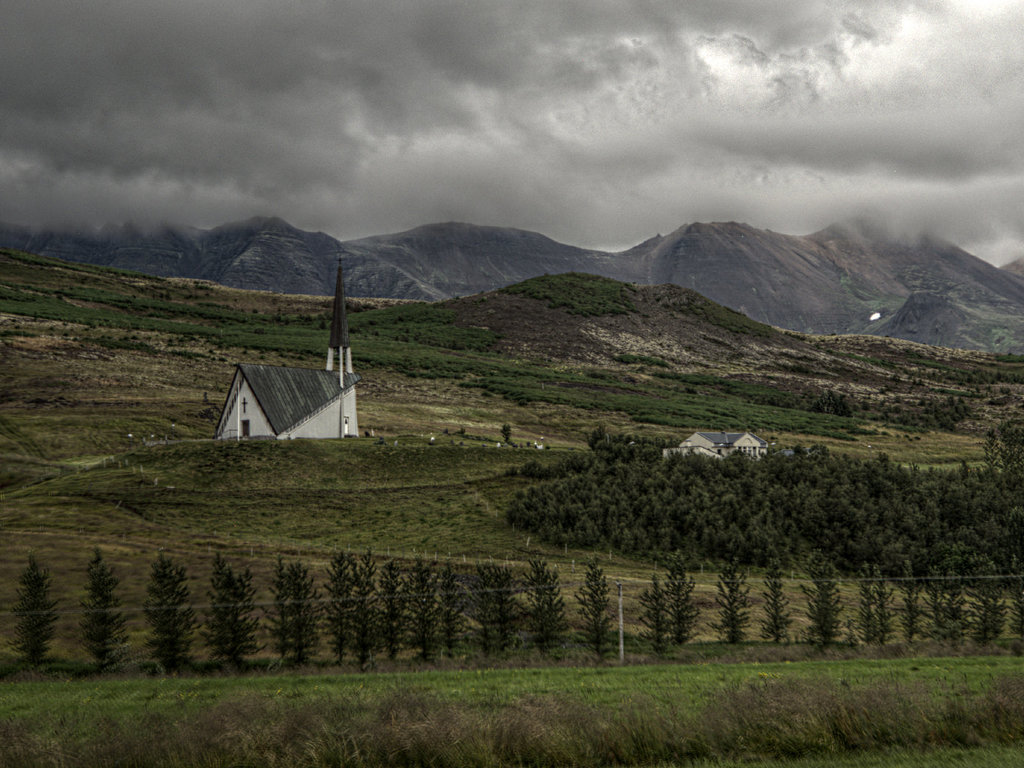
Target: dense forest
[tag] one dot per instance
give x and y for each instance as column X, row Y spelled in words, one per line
column 625, row 495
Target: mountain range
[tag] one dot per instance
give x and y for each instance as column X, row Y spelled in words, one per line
column 846, row 278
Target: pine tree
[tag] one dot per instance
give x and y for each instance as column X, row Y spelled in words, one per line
column 775, row 625
column 231, row 625
column 103, row 626
column 35, row 614
column 874, row 609
column 987, row 612
column 366, row 615
column 280, row 617
column 910, row 619
column 882, row 595
column 168, row 613
column 944, row 596
column 339, row 613
column 654, row 616
column 733, row 603
column 305, row 614
column 1016, row 588
column 423, row 608
column 680, row 605
column 392, row 608
column 451, row 604
column 593, row 604
column 823, row 605
column 545, row 608
column 296, row 612
column 497, row 609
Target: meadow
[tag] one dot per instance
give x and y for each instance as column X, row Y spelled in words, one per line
column 897, row 712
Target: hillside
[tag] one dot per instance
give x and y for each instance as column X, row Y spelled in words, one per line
column 124, row 353
column 832, row 281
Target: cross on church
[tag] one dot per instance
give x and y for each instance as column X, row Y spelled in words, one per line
column 244, row 403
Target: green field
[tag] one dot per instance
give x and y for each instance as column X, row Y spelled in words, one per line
column 872, row 712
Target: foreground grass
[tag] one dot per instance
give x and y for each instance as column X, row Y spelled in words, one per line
column 644, row 715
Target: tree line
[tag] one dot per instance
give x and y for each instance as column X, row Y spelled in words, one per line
column 857, row 512
column 364, row 610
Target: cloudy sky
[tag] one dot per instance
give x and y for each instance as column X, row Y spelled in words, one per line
column 596, row 122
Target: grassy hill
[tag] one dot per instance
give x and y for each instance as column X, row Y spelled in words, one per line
column 112, row 383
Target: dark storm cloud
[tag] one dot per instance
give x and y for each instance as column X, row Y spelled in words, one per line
column 598, row 122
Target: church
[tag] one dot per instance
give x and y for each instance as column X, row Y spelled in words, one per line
column 273, row 402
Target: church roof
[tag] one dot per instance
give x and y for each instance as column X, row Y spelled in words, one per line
column 728, row 438
column 289, row 395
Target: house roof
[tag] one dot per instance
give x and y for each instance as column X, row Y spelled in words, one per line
column 289, row 395
column 728, row 438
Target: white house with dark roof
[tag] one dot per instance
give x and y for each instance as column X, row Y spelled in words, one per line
column 718, row 445
column 275, row 402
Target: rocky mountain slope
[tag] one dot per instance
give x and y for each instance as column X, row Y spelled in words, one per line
column 851, row 278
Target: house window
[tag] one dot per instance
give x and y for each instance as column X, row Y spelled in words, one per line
column 245, row 427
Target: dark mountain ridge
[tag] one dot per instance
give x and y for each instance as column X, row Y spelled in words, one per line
column 832, row 281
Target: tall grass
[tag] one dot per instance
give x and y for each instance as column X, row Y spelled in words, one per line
column 767, row 719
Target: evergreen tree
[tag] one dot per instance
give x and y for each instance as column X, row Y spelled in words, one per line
column 944, row 596
column 280, row 617
column 911, row 618
column 366, row 611
column 392, row 608
column 339, row 613
column 231, row 625
column 506, row 432
column 295, row 613
column 1016, row 588
column 497, row 609
column 776, row 621
column 593, row 604
column 654, row 616
column 823, row 605
column 305, row 613
column 451, row 604
column 103, row 625
column 545, row 608
column 680, row 605
column 34, row 613
column 169, row 614
column 733, row 603
column 987, row 612
column 423, row 608
column 874, row 610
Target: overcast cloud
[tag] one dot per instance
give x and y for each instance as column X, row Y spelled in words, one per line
column 596, row 122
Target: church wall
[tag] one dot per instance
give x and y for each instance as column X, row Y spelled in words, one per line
column 321, row 425
column 250, row 411
column 348, row 412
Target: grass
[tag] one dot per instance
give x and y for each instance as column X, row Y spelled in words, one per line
column 578, row 294
column 581, row 716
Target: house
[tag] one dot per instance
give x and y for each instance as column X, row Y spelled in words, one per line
column 720, row 444
column 277, row 402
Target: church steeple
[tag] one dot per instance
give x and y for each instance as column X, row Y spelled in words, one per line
column 339, row 332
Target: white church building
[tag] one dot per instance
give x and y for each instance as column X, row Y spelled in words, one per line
column 276, row 402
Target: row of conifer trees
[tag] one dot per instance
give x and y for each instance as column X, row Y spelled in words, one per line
column 364, row 610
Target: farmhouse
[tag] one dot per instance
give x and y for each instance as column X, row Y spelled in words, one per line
column 720, row 444
column 275, row 402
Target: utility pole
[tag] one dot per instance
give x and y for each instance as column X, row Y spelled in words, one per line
column 622, row 646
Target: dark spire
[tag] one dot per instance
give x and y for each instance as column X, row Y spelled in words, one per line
column 339, row 324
